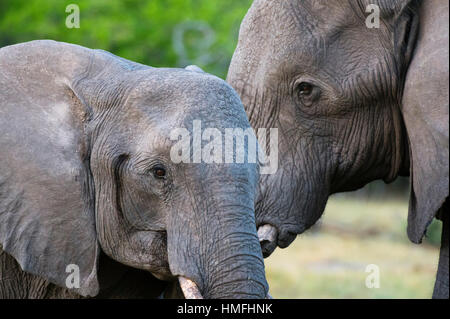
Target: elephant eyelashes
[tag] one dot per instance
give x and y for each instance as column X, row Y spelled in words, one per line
column 159, row 172
column 307, row 93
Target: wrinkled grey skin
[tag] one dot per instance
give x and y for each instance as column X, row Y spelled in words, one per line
column 377, row 107
column 81, row 133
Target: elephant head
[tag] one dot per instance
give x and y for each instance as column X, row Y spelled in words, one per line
column 85, row 167
column 352, row 104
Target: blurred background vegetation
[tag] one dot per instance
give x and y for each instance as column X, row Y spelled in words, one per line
column 330, row 260
column 171, row 33
column 359, row 228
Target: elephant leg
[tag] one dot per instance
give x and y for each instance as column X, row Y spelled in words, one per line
column 441, row 287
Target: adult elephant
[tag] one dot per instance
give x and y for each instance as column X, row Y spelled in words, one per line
column 352, row 104
column 86, row 174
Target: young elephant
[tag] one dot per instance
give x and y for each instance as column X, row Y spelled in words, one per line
column 86, row 171
column 353, row 101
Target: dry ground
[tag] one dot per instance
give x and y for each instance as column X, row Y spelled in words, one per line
column 330, row 260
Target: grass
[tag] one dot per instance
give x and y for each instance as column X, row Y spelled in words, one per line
column 330, row 260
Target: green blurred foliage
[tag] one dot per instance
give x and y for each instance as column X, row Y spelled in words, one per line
column 434, row 233
column 144, row 31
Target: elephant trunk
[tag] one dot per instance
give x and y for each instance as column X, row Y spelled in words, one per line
column 267, row 235
column 217, row 254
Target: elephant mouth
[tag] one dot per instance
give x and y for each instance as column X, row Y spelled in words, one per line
column 188, row 287
column 270, row 238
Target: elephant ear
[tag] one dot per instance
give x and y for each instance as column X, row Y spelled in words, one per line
column 47, row 220
column 426, row 114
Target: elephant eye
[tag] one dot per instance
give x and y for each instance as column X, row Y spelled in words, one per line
column 159, row 172
column 305, row 89
column 307, row 93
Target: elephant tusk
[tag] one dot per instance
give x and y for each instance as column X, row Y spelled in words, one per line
column 267, row 233
column 189, row 288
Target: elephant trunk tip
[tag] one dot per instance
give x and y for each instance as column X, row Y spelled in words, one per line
column 267, row 235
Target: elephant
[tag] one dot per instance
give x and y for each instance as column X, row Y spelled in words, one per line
column 88, row 186
column 353, row 102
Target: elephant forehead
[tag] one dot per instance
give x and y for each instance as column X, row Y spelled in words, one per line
column 152, row 139
column 170, row 98
column 280, row 31
column 305, row 35
column 179, row 86
column 313, row 16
